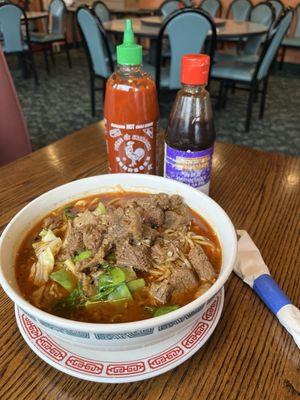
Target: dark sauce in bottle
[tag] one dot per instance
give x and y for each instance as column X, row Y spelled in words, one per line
column 190, row 133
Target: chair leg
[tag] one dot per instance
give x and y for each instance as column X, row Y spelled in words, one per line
column 219, row 101
column 68, row 54
column 249, row 107
column 256, row 93
column 46, row 60
column 224, row 102
column 52, row 54
column 263, row 99
column 33, row 68
column 22, row 59
column 92, row 83
column 282, row 58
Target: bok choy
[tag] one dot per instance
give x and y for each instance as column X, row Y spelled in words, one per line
column 65, row 278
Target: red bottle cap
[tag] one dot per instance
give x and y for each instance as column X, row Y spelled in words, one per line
column 195, row 69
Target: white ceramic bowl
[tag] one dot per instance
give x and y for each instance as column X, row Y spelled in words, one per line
column 121, row 336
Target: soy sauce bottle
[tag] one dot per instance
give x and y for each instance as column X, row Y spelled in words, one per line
column 190, row 134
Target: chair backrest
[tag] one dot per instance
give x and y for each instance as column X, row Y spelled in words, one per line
column 273, row 44
column 57, row 17
column 212, row 7
column 102, row 11
column 264, row 14
column 14, row 138
column 297, row 27
column 169, row 6
column 95, row 42
column 10, row 27
column 187, row 32
column 279, row 7
column 239, row 10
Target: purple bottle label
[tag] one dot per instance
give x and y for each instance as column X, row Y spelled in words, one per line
column 190, row 167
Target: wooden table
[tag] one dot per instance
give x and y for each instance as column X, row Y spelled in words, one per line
column 250, row 355
column 229, row 29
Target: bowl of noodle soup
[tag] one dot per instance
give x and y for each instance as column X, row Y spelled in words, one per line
column 117, row 335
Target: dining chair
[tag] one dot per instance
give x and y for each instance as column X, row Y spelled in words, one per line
column 14, row 137
column 102, row 11
column 56, row 32
column 279, row 7
column 239, row 10
column 293, row 41
column 187, row 31
column 97, row 49
column 263, row 14
column 212, row 7
column 169, row 6
column 14, row 39
column 251, row 75
column 104, row 15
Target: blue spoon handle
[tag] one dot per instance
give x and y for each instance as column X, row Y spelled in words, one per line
column 270, row 293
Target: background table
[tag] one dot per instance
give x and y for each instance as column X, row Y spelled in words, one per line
column 230, row 28
column 118, row 11
column 249, row 356
column 157, row 20
column 34, row 15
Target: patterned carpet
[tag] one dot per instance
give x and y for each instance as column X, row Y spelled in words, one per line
column 61, row 105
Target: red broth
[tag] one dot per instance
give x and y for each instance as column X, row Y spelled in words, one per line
column 108, row 313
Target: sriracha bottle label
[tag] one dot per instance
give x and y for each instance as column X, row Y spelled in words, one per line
column 131, row 147
column 190, row 167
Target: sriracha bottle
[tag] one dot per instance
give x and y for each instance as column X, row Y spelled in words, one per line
column 190, row 134
column 131, row 111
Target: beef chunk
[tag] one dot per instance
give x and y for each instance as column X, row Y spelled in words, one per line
column 104, row 250
column 158, row 253
column 160, row 291
column 201, row 264
column 74, row 242
column 124, row 224
column 149, row 208
column 116, row 228
column 175, row 201
column 92, row 237
column 174, row 220
column 183, row 279
column 53, row 221
column 134, row 223
column 149, row 233
column 136, row 256
column 86, row 218
column 154, row 215
column 162, row 200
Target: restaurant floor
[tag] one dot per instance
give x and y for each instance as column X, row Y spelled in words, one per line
column 61, row 104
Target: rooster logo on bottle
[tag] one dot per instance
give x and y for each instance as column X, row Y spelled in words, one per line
column 134, row 155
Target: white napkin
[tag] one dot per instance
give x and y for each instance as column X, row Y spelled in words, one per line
column 249, row 267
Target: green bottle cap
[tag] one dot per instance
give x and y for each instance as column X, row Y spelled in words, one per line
column 129, row 53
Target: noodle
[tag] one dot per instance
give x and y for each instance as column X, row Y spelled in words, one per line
column 180, row 243
column 113, row 201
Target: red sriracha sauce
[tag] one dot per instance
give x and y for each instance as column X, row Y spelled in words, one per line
column 131, row 111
